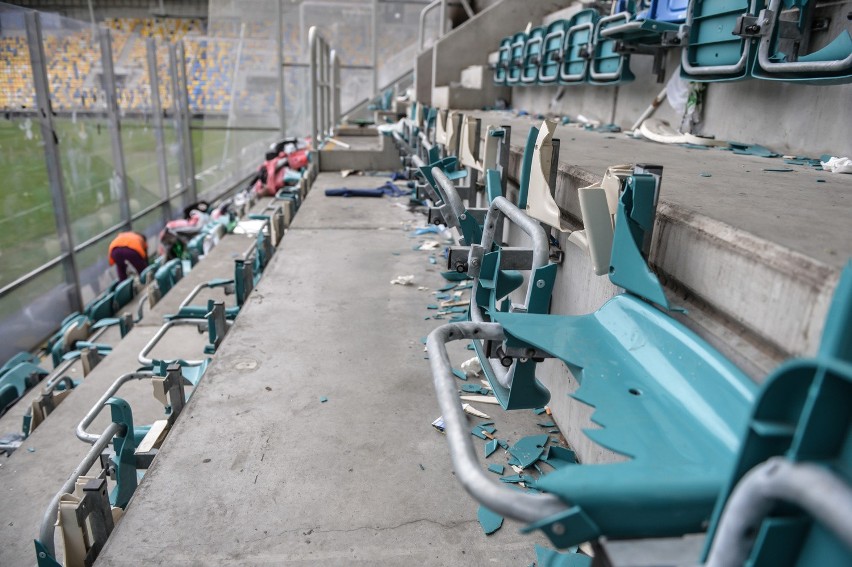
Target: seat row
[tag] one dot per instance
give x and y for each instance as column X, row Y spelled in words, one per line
column 703, row 442
column 721, row 41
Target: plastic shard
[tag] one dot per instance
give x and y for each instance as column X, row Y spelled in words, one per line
column 496, row 469
column 528, row 449
column 489, row 521
column 490, row 447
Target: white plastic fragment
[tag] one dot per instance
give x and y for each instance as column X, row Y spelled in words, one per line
column 475, row 412
column 430, row 245
column 481, row 399
column 838, row 165
column 403, row 280
column 471, row 367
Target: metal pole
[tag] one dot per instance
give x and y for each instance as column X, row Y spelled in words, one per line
column 159, row 135
column 120, row 173
column 51, row 157
column 335, row 89
column 92, row 18
column 178, row 118
column 232, row 107
column 375, row 54
column 442, row 25
column 184, row 95
column 312, row 85
column 279, row 52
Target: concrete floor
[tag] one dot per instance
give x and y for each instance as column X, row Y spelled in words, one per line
column 259, row 471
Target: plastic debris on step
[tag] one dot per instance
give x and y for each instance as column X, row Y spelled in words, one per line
column 528, row 449
column 481, row 399
column 503, row 443
column 778, row 169
column 705, row 174
column 496, row 469
column 439, row 424
column 483, row 430
column 539, row 411
column 475, row 389
column 323, row 399
column 459, row 374
column 448, row 287
column 560, row 457
column 453, row 276
column 469, row 409
column 489, row 521
column 429, row 245
column 550, row 558
column 836, row 164
column 403, row 280
column 546, row 424
column 514, row 479
column 490, row 447
column 472, row 367
column 751, row 150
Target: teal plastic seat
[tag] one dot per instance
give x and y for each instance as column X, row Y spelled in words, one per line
column 504, row 55
column 802, row 415
column 16, row 380
column 608, row 66
column 578, row 47
column 552, row 49
column 831, row 64
column 532, row 56
column 713, row 53
column 516, row 60
column 168, row 275
column 124, row 293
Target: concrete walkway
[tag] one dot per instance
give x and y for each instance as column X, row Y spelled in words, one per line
column 259, row 471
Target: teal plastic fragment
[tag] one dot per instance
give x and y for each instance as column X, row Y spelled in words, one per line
column 493, row 186
column 550, row 558
column 124, row 458
column 778, row 169
column 496, row 469
column 513, row 479
column 526, row 168
column 752, row 150
column 454, row 276
column 539, row 411
column 490, row 447
column 546, row 424
column 43, row 558
column 323, row 399
column 634, row 220
column 448, row 287
column 528, row 449
column 560, row 457
column 489, row 521
column 503, row 443
column 459, row 374
column 432, row 306
column 475, row 389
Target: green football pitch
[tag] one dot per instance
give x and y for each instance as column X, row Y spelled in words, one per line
column 27, row 227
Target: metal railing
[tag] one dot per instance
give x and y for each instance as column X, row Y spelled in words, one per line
column 324, row 88
column 442, row 18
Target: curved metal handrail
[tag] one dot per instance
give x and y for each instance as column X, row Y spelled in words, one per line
column 46, row 530
column 491, row 493
column 501, row 206
column 90, row 416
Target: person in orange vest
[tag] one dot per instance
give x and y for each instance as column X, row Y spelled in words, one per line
column 128, row 248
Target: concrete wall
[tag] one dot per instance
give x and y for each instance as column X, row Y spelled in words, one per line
column 789, row 118
column 471, row 43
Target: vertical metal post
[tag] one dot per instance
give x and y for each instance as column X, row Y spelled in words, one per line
column 312, row 85
column 442, row 25
column 232, row 107
column 375, row 53
column 335, row 89
column 120, row 173
column 279, row 53
column 51, row 158
column 184, row 96
column 323, row 77
column 178, row 119
column 159, row 135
